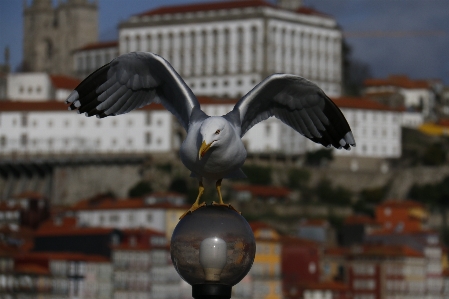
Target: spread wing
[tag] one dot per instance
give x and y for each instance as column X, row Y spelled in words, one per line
column 131, row 81
column 298, row 103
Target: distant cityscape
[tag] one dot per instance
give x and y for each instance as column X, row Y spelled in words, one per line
column 88, row 206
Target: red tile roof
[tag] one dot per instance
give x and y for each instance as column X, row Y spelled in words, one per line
column 64, row 82
column 362, row 103
column 99, row 45
column 398, row 81
column 401, row 204
column 32, row 269
column 61, row 106
column 313, row 222
column 327, row 285
column 387, row 251
column 205, row 7
column 68, row 256
column 337, row 251
column 264, row 191
column 224, row 5
column 360, row 219
column 68, row 227
column 119, row 204
column 29, row 195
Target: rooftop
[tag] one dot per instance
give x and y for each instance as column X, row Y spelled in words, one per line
column 99, row 45
column 64, row 82
column 263, row 191
column 398, row 81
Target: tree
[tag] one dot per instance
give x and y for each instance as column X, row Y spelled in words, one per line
column 355, row 72
column 257, row 175
column 318, row 157
column 434, row 155
column 179, row 185
column 298, row 178
column 328, row 194
column 140, row 189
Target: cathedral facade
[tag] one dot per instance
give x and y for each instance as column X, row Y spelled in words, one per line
column 51, row 34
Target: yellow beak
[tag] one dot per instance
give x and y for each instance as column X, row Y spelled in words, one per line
column 203, row 149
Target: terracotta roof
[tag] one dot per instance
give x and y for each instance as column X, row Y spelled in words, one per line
column 289, row 240
column 363, row 103
column 224, row 5
column 99, row 45
column 64, row 82
column 205, row 7
column 32, row 269
column 326, row 285
column 29, row 195
column 256, row 225
column 61, row 106
column 360, row 219
column 313, row 222
column 398, row 81
column 265, row 191
column 127, row 203
column 46, row 256
column 387, row 251
column 68, row 227
column 443, row 122
column 401, row 204
column 337, row 251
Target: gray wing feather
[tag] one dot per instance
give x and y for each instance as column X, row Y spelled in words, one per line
column 132, row 81
column 298, row 103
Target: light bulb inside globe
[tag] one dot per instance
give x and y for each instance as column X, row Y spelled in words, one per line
column 213, row 257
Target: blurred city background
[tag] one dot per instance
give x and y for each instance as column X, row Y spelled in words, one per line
column 87, row 206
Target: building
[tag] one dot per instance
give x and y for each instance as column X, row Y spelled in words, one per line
column 225, row 48
column 38, row 87
column 108, row 213
column 401, row 216
column 92, row 56
column 25, row 210
column 52, row 33
column 414, row 95
column 142, row 266
column 387, row 271
column 266, row 279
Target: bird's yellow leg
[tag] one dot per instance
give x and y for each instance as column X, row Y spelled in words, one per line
column 196, row 204
column 221, row 203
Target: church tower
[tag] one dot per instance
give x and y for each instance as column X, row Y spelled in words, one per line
column 52, row 33
column 289, row 4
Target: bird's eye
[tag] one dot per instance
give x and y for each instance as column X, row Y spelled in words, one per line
column 217, row 132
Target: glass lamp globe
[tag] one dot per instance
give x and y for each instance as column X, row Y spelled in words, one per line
column 212, row 249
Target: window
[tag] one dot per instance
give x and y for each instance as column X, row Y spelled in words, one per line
column 114, row 218
column 24, row 140
column 149, row 217
column 148, row 138
column 148, row 119
column 24, row 120
column 3, row 141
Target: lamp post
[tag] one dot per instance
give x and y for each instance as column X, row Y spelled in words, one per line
column 212, row 249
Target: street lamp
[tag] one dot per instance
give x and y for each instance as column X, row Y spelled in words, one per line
column 212, row 249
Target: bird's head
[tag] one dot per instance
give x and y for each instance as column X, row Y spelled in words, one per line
column 213, row 132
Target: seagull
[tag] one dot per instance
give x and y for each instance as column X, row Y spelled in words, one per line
column 212, row 149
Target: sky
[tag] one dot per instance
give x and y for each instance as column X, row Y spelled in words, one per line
column 408, row 37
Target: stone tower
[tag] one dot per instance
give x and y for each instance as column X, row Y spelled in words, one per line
column 289, row 4
column 52, row 33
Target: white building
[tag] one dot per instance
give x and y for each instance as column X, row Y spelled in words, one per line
column 49, row 128
column 39, row 87
column 418, row 95
column 93, row 56
column 376, row 128
column 225, row 48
